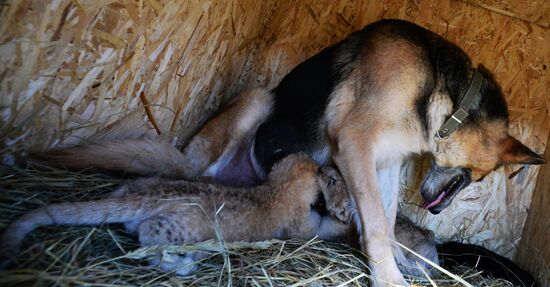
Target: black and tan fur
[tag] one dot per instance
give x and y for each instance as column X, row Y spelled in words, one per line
column 363, row 104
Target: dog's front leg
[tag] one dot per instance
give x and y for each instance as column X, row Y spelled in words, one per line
column 388, row 185
column 354, row 157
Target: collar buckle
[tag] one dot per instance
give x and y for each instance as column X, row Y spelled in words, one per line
column 462, row 113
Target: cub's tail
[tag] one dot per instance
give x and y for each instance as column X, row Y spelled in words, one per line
column 112, row 210
column 134, row 157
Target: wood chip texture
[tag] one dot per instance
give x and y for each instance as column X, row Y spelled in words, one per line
column 75, row 70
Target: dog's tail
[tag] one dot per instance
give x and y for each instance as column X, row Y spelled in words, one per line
column 134, row 157
column 112, row 210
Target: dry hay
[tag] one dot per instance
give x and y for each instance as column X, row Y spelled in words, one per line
column 108, row 256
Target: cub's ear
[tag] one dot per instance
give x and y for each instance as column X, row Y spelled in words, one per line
column 513, row 151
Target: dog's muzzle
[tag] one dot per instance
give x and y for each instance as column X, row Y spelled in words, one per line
column 441, row 185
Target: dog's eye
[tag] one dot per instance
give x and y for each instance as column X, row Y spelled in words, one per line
column 332, row 181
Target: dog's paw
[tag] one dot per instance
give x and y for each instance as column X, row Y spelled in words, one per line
column 385, row 274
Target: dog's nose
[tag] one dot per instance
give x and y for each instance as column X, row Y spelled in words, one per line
column 426, row 193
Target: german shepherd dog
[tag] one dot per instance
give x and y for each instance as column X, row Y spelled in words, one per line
column 363, row 104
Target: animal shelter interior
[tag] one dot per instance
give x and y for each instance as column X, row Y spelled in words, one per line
column 74, row 71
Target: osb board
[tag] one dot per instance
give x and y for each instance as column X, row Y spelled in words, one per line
column 535, row 11
column 79, row 70
column 73, row 70
column 534, row 250
column 490, row 213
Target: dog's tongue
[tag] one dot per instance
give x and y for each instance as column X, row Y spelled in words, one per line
column 439, row 198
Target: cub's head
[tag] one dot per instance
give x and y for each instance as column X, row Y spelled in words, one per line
column 295, row 169
column 298, row 173
column 480, row 145
column 337, row 199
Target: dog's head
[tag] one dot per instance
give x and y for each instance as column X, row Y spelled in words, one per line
column 478, row 147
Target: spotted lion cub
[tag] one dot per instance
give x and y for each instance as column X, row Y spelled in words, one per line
column 165, row 211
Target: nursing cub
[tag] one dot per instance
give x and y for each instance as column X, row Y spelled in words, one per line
column 165, row 211
column 298, row 200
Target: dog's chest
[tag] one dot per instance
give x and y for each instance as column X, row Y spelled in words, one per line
column 394, row 144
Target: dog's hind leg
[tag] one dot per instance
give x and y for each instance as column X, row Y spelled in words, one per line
column 128, row 156
column 214, row 145
column 219, row 140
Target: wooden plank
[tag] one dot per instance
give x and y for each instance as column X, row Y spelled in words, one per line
column 533, row 11
column 534, row 249
column 73, row 70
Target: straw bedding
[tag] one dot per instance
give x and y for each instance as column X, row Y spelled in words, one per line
column 108, row 256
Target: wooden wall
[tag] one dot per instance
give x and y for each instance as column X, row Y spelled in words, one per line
column 533, row 11
column 534, row 249
column 73, row 70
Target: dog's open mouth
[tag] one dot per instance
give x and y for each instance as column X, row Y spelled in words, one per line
column 448, row 192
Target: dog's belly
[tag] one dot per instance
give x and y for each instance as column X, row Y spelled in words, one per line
column 276, row 140
column 244, row 168
column 239, row 171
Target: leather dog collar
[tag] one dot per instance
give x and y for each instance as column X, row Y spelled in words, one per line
column 463, row 111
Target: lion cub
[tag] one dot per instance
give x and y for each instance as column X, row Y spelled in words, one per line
column 165, row 211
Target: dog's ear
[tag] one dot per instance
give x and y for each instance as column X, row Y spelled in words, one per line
column 513, row 151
